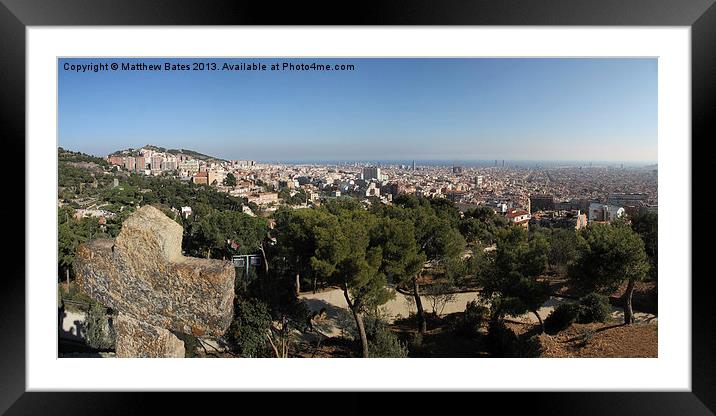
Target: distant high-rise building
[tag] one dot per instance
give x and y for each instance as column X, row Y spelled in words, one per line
column 478, row 180
column 156, row 162
column 457, row 169
column 371, row 172
column 170, row 163
column 413, row 165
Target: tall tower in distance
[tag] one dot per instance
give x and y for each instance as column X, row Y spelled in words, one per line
column 413, row 165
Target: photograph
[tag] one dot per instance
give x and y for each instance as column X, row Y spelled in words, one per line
column 367, row 207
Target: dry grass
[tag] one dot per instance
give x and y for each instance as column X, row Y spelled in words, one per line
column 602, row 341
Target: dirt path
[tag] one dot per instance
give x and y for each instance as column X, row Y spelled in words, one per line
column 402, row 305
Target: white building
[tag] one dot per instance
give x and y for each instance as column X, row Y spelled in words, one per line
column 604, row 212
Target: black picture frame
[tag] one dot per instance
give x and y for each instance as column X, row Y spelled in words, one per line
column 16, row 15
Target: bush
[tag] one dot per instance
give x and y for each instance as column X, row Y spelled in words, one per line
column 382, row 343
column 469, row 322
column 562, row 317
column 248, row 334
column 501, row 339
column 593, row 308
column 415, row 345
column 99, row 333
column 530, row 347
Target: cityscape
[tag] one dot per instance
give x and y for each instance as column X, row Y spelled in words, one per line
column 398, row 245
column 599, row 193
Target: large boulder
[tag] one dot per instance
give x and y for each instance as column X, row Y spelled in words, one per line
column 137, row 339
column 142, row 273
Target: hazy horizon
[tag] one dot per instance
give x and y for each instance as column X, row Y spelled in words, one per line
column 470, row 110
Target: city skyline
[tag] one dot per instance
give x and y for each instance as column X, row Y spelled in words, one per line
column 446, row 110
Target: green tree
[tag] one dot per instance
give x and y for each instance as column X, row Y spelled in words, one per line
column 343, row 256
column 249, row 331
column 513, row 284
column 646, row 225
column 213, row 234
column 230, row 180
column 562, row 247
column 436, row 240
column 481, row 225
column 609, row 255
column 296, row 241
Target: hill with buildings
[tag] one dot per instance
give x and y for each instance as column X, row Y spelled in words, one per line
column 191, row 153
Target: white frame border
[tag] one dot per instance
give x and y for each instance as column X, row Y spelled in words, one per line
column 670, row 371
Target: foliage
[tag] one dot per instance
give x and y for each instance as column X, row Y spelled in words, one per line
column 343, row 255
column 481, row 225
column 646, row 225
column 249, row 328
column 512, row 285
column 211, row 236
column 64, row 155
column 501, row 340
column 469, row 322
column 530, row 347
column 562, row 317
column 562, row 247
column 594, row 308
column 382, row 343
column 439, row 295
column 73, row 232
column 609, row 255
column 230, row 180
column 99, row 334
column 299, row 197
column 72, row 176
column 415, row 344
column 434, row 238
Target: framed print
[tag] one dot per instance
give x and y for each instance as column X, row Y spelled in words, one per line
column 463, row 198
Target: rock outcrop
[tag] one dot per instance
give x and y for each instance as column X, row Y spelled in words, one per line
column 143, row 275
column 142, row 340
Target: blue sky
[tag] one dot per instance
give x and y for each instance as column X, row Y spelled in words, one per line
column 444, row 109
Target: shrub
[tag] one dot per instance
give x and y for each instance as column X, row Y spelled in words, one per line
column 469, row 322
column 99, row 333
column 593, row 308
column 382, row 343
column 415, row 345
column 248, row 334
column 563, row 316
column 501, row 339
column 530, row 347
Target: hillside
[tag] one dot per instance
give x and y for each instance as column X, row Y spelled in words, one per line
column 194, row 154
